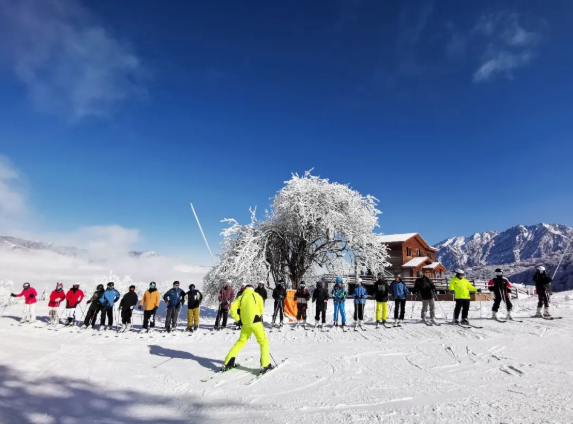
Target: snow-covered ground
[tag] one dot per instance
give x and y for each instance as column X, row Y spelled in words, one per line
column 503, row 373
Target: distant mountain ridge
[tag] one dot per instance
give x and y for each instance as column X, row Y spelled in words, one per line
column 518, row 250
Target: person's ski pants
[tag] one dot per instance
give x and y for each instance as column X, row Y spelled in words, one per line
column 193, row 317
column 339, row 307
column 246, row 330
column 543, row 299
column 358, row 311
column 497, row 301
column 381, row 311
column 126, row 316
column 91, row 316
column 301, row 312
column 320, row 310
column 222, row 314
column 399, row 308
column 149, row 316
column 279, row 310
column 29, row 313
column 428, row 303
column 107, row 312
column 71, row 312
column 53, row 312
column 462, row 305
column 171, row 319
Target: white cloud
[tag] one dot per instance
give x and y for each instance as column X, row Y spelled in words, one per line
column 509, row 45
column 69, row 64
column 13, row 206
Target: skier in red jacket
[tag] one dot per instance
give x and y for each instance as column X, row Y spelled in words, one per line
column 74, row 296
column 29, row 294
column 56, row 297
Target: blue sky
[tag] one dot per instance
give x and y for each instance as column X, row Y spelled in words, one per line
column 456, row 115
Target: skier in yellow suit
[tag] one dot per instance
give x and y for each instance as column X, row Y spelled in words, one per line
column 251, row 307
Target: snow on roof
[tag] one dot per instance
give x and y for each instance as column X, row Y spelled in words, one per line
column 432, row 265
column 394, row 238
column 413, row 263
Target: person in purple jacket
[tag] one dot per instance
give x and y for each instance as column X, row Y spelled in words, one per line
column 226, row 297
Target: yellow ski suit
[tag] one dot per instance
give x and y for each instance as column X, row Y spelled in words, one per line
column 461, row 287
column 251, row 306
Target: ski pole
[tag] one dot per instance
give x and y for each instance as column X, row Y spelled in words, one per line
column 273, row 359
column 413, row 304
column 440, row 303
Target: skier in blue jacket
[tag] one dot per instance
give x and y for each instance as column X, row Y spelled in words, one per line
column 360, row 296
column 338, row 298
column 399, row 293
column 107, row 300
column 174, row 299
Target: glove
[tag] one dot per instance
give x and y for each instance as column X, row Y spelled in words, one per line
column 479, row 290
column 139, row 307
column 87, row 303
column 131, row 308
column 12, row 295
column 31, row 296
column 155, row 308
column 452, row 291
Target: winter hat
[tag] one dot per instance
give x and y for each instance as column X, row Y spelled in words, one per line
column 302, row 284
column 261, row 283
column 420, row 273
column 338, row 280
column 175, row 283
column 26, row 285
column 59, row 286
column 319, row 284
column 152, row 285
column 248, row 286
column 76, row 285
column 359, row 282
column 132, row 287
column 191, row 286
column 499, row 272
column 110, row 284
column 228, row 282
column 99, row 287
column 541, row 268
column 460, row 272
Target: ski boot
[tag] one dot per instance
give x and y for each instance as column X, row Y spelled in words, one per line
column 433, row 321
column 538, row 314
column 304, row 325
column 384, row 322
column 546, row 314
column 356, row 326
column 266, row 369
column 377, row 324
column 400, row 322
column 189, row 329
column 229, row 365
column 168, row 329
column 494, row 315
column 395, row 323
column 335, row 325
column 456, row 322
column 316, row 324
column 195, row 328
column 343, row 326
column 465, row 321
column 360, row 325
column 508, row 316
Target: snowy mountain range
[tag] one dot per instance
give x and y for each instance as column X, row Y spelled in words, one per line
column 517, row 250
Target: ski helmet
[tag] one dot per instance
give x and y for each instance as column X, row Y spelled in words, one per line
column 499, row 272
column 175, row 283
column 59, row 286
column 99, row 287
column 248, row 286
column 132, row 287
column 420, row 273
column 152, row 285
column 261, row 283
column 191, row 286
column 338, row 280
column 228, row 282
column 26, row 285
column 541, row 268
column 460, row 271
column 302, row 284
column 359, row 282
column 110, row 284
column 397, row 276
column 76, row 285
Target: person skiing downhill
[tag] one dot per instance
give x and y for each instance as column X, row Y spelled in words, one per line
column 194, row 298
column 301, row 297
column 128, row 302
column 94, row 306
column 381, row 291
column 320, row 296
column 226, row 297
column 360, row 296
column 107, row 300
column 151, row 301
column 461, row 289
column 29, row 293
column 56, row 298
column 399, row 292
column 279, row 295
column 501, row 288
column 339, row 298
column 250, row 305
column 74, row 296
column 424, row 287
column 543, row 288
column 174, row 299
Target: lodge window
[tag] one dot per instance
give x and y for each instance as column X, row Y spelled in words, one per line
column 420, row 253
column 408, row 251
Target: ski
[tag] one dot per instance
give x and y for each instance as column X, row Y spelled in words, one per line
column 261, row 376
column 545, row 318
column 219, row 372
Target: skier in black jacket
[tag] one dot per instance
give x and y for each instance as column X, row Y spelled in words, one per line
column 95, row 307
column 543, row 287
column 381, row 291
column 262, row 291
column 500, row 287
column 126, row 306
column 279, row 295
column 424, row 287
column 320, row 296
column 194, row 298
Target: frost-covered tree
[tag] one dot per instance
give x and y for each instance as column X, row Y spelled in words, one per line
column 311, row 222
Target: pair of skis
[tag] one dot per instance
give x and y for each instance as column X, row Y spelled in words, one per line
column 257, row 378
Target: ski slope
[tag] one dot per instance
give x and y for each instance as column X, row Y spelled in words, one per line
column 504, row 372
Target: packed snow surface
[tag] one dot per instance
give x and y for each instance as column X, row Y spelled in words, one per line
column 517, row 372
